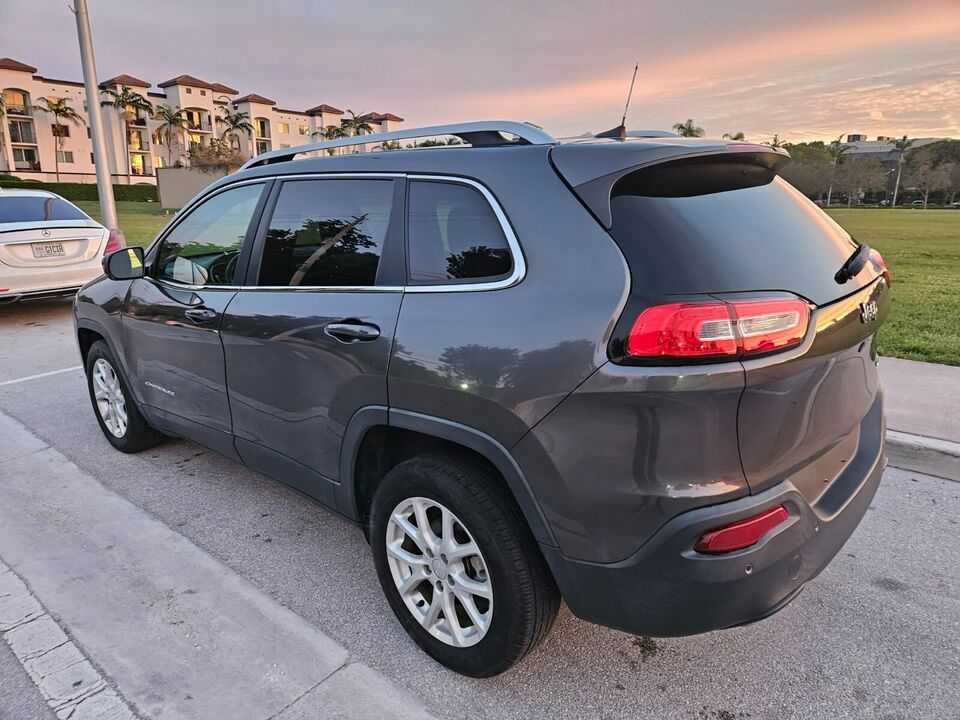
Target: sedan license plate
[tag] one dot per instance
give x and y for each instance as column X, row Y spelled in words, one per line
column 47, row 250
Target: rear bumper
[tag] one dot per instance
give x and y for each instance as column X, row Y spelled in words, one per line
column 668, row 589
column 32, row 283
column 39, row 294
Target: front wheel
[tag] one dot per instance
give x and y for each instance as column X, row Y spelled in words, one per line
column 459, row 566
column 117, row 413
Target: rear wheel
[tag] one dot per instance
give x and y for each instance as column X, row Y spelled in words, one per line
column 459, row 566
column 117, row 413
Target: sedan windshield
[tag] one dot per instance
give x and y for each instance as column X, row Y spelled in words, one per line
column 37, row 208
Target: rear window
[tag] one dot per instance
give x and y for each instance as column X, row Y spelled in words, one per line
column 37, row 208
column 710, row 226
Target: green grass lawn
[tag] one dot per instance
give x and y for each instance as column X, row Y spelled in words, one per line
column 922, row 250
column 139, row 221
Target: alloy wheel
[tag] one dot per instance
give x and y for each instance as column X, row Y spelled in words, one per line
column 439, row 571
column 109, row 397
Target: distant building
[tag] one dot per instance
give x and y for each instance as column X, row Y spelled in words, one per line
column 883, row 148
column 135, row 145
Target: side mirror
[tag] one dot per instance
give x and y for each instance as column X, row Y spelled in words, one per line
column 126, row 264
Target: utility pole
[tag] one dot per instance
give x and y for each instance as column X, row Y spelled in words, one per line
column 108, row 209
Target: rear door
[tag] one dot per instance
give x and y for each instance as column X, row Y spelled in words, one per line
column 308, row 340
column 172, row 317
column 730, row 229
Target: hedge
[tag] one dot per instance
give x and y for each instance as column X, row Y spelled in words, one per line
column 86, row 191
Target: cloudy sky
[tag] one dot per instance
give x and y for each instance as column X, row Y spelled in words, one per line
column 803, row 70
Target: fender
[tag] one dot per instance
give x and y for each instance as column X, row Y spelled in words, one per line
column 371, row 416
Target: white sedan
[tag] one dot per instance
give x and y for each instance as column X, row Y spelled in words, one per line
column 48, row 246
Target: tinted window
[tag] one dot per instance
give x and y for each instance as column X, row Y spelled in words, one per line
column 37, row 208
column 703, row 227
column 203, row 249
column 453, row 235
column 327, row 232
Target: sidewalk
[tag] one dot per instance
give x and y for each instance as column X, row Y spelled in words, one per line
column 923, row 416
column 114, row 615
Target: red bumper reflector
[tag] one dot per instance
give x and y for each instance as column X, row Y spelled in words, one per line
column 741, row 534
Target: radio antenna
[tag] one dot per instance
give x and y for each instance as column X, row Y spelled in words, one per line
column 623, row 122
column 620, row 132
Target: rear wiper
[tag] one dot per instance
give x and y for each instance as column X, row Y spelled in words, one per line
column 853, row 264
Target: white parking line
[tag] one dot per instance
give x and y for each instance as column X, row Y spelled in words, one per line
column 28, row 378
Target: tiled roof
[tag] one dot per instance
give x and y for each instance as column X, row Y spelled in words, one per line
column 254, row 98
column 11, row 64
column 329, row 109
column 72, row 83
column 225, row 89
column 379, row 117
column 291, row 112
column 125, row 79
column 187, row 81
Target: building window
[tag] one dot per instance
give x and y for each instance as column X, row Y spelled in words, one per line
column 135, row 139
column 25, row 158
column 17, row 102
column 137, row 165
column 188, row 91
column 203, row 93
column 283, row 128
column 65, row 156
column 262, row 127
column 304, row 130
column 61, row 131
column 196, row 140
column 92, row 159
column 157, row 161
column 89, row 134
column 263, row 146
column 21, row 131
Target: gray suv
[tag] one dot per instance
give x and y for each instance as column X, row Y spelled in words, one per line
column 634, row 373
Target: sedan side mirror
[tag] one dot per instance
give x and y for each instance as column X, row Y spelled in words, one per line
column 126, row 264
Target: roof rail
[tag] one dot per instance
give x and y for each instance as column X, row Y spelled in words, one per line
column 480, row 133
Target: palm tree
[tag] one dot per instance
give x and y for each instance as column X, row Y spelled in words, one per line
column 688, row 129
column 738, row 136
column 356, row 124
column 128, row 103
column 62, row 112
column 835, row 149
column 172, row 124
column 330, row 132
column 235, row 122
column 3, row 112
column 901, row 146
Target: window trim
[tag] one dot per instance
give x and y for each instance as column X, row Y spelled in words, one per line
column 273, row 181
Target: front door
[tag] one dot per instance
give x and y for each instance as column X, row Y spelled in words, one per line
column 308, row 341
column 173, row 315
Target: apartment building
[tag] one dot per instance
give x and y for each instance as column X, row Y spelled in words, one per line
column 32, row 144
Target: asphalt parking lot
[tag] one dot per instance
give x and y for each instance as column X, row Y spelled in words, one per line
column 877, row 635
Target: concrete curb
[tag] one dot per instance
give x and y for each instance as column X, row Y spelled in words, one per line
column 931, row 456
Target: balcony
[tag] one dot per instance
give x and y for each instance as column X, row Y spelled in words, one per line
column 18, row 110
column 26, row 165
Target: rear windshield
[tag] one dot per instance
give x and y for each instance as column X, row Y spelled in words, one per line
column 37, row 208
column 718, row 225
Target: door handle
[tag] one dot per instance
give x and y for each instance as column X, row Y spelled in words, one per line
column 350, row 332
column 200, row 315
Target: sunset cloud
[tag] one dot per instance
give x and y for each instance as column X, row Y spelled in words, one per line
column 875, row 66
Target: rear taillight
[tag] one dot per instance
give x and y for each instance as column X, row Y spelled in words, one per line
column 717, row 329
column 741, row 534
column 881, row 266
column 114, row 242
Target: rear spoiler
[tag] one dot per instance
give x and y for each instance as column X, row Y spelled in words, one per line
column 593, row 169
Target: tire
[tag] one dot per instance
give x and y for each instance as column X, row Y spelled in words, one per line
column 135, row 434
column 523, row 596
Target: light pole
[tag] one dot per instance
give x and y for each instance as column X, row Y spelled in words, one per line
column 108, row 209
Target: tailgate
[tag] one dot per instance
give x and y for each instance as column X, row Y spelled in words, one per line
column 810, row 414
column 50, row 247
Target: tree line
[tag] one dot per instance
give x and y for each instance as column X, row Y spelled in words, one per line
column 824, row 171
